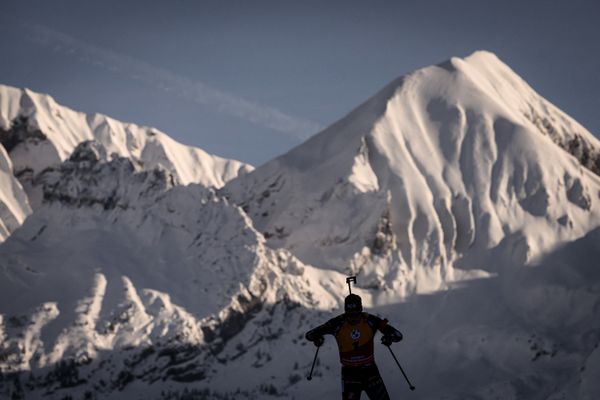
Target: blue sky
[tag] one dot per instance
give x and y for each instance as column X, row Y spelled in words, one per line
column 251, row 79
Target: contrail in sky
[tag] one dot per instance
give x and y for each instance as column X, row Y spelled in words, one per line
column 167, row 81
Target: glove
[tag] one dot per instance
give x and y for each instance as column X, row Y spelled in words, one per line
column 386, row 340
column 390, row 335
column 318, row 341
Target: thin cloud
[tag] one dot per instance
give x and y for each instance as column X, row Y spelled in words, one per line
column 167, row 81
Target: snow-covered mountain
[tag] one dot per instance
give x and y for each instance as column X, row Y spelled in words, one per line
column 432, row 173
column 38, row 133
column 117, row 260
column 467, row 205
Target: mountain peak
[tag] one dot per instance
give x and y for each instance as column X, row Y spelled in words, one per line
column 453, row 159
column 481, row 57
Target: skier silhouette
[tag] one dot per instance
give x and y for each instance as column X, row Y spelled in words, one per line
column 354, row 332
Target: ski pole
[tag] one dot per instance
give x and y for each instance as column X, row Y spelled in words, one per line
column 309, row 377
column 401, row 370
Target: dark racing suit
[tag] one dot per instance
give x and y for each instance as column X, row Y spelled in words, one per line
column 354, row 337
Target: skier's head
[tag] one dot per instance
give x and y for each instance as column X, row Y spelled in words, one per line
column 353, row 304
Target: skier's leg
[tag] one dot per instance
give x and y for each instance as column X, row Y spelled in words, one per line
column 351, row 391
column 351, row 384
column 374, row 385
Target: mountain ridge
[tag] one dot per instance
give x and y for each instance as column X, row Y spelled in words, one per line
column 37, row 133
column 66, row 128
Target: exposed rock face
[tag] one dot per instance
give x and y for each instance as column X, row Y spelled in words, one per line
column 86, row 179
column 20, row 132
column 578, row 145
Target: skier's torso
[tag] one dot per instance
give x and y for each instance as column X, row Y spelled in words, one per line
column 355, row 339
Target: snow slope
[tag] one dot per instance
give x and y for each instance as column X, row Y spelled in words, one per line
column 14, row 205
column 118, row 265
column 460, row 165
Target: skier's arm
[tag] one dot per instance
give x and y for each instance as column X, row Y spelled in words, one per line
column 390, row 334
column 316, row 335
